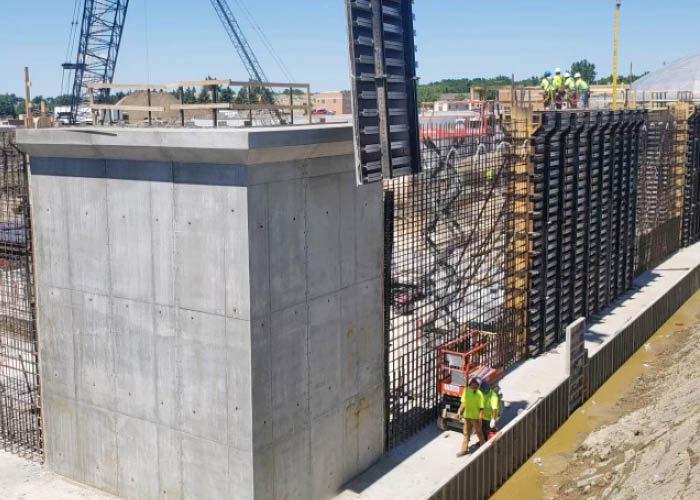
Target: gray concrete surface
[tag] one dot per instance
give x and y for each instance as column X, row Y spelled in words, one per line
column 417, row 469
column 21, row 479
column 207, row 331
column 249, row 146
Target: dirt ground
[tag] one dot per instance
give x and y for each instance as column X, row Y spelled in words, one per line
column 652, row 451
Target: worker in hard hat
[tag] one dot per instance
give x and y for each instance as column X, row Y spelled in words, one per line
column 559, row 92
column 570, row 88
column 472, row 404
column 547, row 89
column 583, row 91
column 491, row 405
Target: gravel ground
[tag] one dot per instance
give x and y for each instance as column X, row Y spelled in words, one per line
column 24, row 480
column 653, row 451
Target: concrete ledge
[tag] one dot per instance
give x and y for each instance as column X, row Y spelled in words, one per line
column 248, row 146
column 425, row 467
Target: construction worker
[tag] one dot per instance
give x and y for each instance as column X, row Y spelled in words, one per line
column 472, row 404
column 558, row 84
column 547, row 89
column 570, row 88
column 491, row 402
column 583, row 91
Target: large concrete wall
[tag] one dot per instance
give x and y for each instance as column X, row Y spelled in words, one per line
column 208, row 330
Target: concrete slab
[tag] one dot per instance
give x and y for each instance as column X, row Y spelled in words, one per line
column 420, row 466
column 24, row 480
column 250, row 146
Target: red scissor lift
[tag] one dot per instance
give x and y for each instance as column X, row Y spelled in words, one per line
column 477, row 354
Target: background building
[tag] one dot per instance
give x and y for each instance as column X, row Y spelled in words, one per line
column 336, row 101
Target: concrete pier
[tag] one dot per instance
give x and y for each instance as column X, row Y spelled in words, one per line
column 209, row 310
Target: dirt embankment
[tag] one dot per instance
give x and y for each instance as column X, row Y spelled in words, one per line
column 653, row 451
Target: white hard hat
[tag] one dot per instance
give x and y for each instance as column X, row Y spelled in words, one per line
column 577, row 75
column 567, row 74
column 558, row 70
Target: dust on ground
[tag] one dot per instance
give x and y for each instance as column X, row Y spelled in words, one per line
column 651, row 452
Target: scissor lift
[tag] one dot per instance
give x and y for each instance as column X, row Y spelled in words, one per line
column 477, row 354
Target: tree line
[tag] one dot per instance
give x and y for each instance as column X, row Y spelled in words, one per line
column 462, row 87
column 13, row 105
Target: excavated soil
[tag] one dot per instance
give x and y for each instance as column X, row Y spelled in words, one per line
column 650, row 450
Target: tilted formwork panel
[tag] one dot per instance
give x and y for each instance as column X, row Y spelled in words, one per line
column 384, row 94
column 691, row 189
column 583, row 218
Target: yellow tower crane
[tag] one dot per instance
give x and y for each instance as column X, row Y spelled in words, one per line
column 615, row 43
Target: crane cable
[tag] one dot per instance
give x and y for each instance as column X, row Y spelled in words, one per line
column 266, row 42
column 148, row 62
column 71, row 41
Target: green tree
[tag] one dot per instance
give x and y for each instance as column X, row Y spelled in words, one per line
column 189, row 96
column 226, row 95
column 586, row 68
column 203, row 95
column 242, row 96
column 8, row 102
column 19, row 107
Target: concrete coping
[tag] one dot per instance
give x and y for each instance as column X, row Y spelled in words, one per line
column 239, row 146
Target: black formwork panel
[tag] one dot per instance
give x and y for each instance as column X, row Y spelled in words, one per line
column 617, row 171
column 638, row 120
column 580, row 253
column 606, row 210
column 595, row 175
column 545, row 204
column 691, row 190
column 583, row 210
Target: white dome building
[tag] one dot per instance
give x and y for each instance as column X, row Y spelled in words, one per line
column 682, row 75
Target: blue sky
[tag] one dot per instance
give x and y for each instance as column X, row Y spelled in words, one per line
column 456, row 38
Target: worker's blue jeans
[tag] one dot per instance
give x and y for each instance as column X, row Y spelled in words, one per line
column 583, row 100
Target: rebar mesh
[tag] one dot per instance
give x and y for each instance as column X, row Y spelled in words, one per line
column 660, row 188
column 20, row 422
column 457, row 246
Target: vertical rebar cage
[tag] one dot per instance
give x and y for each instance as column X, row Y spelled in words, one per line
column 20, row 415
column 458, row 247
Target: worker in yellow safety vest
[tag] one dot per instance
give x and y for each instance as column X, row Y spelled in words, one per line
column 558, row 84
column 547, row 89
column 491, row 405
column 472, row 404
column 583, row 91
column 570, row 88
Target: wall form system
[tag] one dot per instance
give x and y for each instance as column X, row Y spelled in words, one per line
column 584, row 218
column 519, row 230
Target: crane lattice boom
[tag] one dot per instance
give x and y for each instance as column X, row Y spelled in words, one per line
column 100, row 36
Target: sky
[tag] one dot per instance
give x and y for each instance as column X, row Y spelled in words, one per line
column 170, row 40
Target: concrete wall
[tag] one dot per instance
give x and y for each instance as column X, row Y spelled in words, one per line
column 207, row 330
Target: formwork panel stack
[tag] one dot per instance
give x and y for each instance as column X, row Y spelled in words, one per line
column 583, row 218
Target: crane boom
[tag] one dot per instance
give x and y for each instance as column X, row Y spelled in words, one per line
column 233, row 29
column 98, row 48
column 245, row 52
